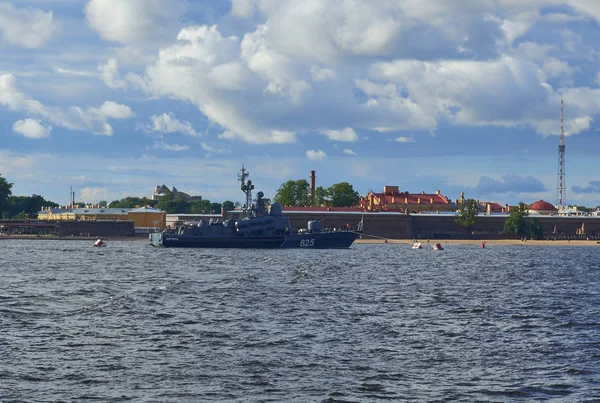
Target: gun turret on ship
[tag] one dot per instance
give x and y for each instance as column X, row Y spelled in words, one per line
column 259, row 227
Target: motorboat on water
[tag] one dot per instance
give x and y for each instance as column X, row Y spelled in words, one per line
column 260, row 227
column 437, row 246
column 417, row 245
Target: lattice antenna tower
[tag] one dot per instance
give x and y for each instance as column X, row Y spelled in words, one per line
column 561, row 188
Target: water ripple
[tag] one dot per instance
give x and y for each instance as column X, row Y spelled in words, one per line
column 376, row 322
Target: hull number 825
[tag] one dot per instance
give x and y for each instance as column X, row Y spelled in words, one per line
column 307, row 243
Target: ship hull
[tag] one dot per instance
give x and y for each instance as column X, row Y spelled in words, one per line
column 322, row 240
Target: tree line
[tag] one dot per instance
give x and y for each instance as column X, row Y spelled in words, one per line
column 174, row 204
column 517, row 223
column 27, row 207
column 292, row 193
column 296, row 193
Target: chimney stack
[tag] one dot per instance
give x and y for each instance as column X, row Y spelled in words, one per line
column 312, row 187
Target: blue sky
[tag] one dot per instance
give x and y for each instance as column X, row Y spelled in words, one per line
column 115, row 97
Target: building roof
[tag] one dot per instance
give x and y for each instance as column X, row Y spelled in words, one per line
column 146, row 209
column 410, row 198
column 323, row 209
column 542, row 205
column 90, row 211
column 495, row 207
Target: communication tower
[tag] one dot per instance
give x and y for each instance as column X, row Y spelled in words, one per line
column 561, row 188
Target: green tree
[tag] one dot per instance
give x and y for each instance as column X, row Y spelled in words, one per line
column 321, row 197
column 167, row 203
column 196, row 207
column 182, row 206
column 21, row 216
column 294, row 193
column 228, row 205
column 30, row 205
column 515, row 224
column 132, row 202
column 215, row 208
column 343, row 195
column 200, row 207
column 5, row 193
column 467, row 214
column 535, row 230
column 205, row 206
column 103, row 203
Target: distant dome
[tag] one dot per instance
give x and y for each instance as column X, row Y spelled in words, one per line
column 542, row 207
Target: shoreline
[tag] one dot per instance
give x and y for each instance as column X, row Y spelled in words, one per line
column 71, row 238
column 358, row 241
column 479, row 242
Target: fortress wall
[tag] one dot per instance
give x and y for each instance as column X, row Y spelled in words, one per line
column 377, row 224
column 96, row 228
column 442, row 226
column 569, row 225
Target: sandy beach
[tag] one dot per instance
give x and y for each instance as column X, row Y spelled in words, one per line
column 479, row 242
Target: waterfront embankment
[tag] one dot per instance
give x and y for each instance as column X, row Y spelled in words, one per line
column 390, row 241
column 479, row 242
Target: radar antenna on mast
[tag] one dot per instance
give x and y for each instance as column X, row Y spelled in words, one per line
column 246, row 187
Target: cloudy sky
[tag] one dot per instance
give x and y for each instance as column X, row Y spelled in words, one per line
column 114, row 97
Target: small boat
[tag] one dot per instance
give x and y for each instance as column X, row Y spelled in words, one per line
column 417, row 245
column 437, row 246
column 99, row 243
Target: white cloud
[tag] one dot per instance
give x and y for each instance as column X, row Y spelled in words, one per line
column 167, row 123
column 561, row 18
column 72, row 72
column 242, row 8
column 274, row 67
column 589, row 7
column 91, row 119
column 321, row 74
column 32, row 128
column 27, row 27
column 518, row 25
column 111, row 109
column 506, row 92
column 135, row 21
column 170, row 147
column 94, row 194
column 315, row 154
column 403, row 139
column 211, row 149
column 109, row 73
column 369, row 72
column 347, row 134
column 349, row 151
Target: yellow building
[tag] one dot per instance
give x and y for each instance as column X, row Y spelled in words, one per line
column 148, row 218
column 83, row 213
column 143, row 217
column 392, row 200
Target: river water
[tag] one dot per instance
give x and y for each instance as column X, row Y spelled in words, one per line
column 130, row 322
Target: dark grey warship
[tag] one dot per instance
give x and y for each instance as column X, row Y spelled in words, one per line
column 258, row 228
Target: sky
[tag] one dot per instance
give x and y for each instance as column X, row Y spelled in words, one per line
column 113, row 98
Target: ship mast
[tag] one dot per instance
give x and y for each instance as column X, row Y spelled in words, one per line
column 246, row 187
